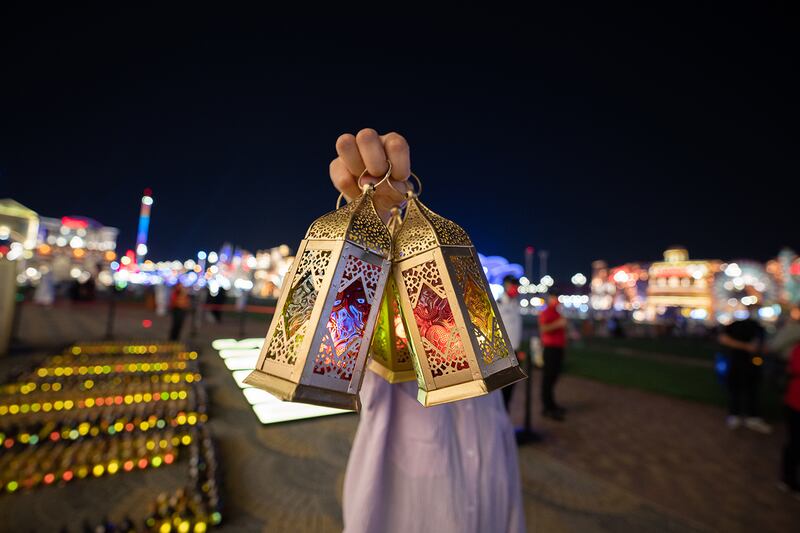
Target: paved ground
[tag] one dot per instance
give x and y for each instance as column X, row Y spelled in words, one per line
column 674, row 453
column 624, row 461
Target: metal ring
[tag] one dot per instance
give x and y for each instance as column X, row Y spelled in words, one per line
column 385, row 176
column 410, row 192
column 364, row 173
column 341, row 195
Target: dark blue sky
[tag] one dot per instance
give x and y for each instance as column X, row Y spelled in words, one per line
column 590, row 134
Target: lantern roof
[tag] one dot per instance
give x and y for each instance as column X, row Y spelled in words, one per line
column 423, row 230
column 357, row 222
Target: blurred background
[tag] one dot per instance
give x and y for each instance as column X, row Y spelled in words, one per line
column 159, row 166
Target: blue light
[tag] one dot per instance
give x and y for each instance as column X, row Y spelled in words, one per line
column 497, row 268
column 721, row 366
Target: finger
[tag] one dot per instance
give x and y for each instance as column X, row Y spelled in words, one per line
column 343, row 179
column 347, row 149
column 398, row 152
column 371, row 149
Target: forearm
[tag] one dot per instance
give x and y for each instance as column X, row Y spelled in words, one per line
column 561, row 323
column 733, row 343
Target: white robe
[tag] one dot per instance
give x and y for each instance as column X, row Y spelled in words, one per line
column 447, row 468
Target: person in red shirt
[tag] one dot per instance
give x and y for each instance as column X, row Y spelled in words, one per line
column 179, row 303
column 791, row 452
column 553, row 334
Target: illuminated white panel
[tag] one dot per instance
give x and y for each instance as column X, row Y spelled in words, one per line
column 255, row 396
column 222, row 344
column 241, row 357
column 243, row 362
column 239, row 375
column 270, row 413
column 236, row 352
column 256, row 343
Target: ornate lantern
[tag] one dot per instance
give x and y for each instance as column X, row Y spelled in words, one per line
column 317, row 344
column 460, row 346
column 390, row 351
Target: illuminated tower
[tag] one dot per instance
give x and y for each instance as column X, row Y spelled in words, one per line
column 144, row 225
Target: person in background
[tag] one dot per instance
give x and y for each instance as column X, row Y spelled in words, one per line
column 788, row 335
column 45, row 293
column 791, row 451
column 553, row 334
column 179, row 304
column 744, row 340
column 508, row 305
column 162, row 295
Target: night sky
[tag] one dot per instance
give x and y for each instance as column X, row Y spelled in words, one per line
column 591, row 134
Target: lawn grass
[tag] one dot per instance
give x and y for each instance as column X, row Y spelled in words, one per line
column 671, row 379
column 680, row 346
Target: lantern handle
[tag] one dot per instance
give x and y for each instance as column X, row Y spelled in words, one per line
column 368, row 185
column 410, row 193
column 364, row 173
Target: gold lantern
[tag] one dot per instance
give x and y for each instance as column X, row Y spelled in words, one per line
column 460, row 346
column 317, row 344
column 390, row 351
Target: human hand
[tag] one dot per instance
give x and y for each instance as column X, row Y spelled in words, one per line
column 370, row 151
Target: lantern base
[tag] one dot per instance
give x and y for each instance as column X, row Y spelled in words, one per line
column 289, row 391
column 462, row 391
column 471, row 389
column 392, row 376
column 505, row 377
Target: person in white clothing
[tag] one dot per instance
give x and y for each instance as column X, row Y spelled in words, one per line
column 448, row 468
column 508, row 305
